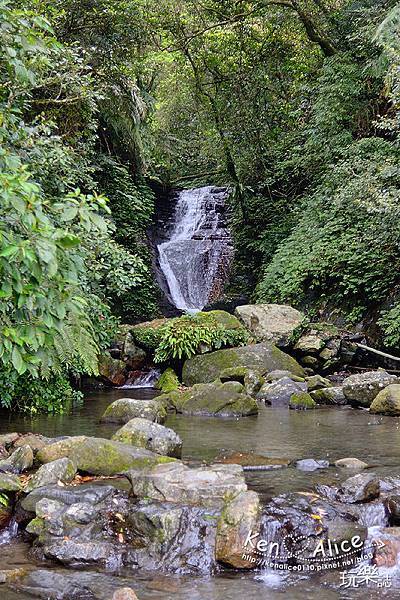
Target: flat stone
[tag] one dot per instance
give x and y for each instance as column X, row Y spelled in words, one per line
column 206, row 486
column 350, row 463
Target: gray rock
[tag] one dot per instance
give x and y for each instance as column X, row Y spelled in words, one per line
column 125, row 409
column 20, row 460
column 361, row 389
column 309, row 464
column 10, row 482
column 359, row 488
column 205, row 486
column 261, row 358
column 154, row 437
column 279, row 374
column 34, row 440
column 87, row 493
column 274, row 323
column 330, row 396
column 62, row 469
column 309, row 344
column 251, row 380
column 279, row 392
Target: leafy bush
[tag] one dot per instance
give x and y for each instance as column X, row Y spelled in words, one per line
column 33, row 396
column 390, row 325
column 185, row 336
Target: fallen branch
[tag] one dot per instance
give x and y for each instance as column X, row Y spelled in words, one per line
column 378, row 352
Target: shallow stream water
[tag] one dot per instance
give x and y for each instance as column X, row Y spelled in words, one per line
column 326, row 433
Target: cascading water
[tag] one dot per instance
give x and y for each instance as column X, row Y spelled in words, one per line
column 197, row 251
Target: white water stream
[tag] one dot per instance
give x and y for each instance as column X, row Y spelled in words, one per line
column 190, row 259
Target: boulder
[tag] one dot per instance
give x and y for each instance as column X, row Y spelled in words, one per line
column 329, row 396
column 99, row 456
column 112, row 370
column 316, row 382
column 34, row 440
column 62, row 469
column 351, row 463
column 359, row 488
column 168, row 381
column 387, row 401
column 279, row 392
column 274, row 323
column 152, row 436
column 10, row 482
column 361, row 389
column 240, row 515
column 309, row 344
column 175, row 482
column 20, row 460
column 279, row 374
column 212, row 399
column 59, row 449
column 261, row 358
column 125, row 409
column 83, row 495
column 251, row 380
column 301, row 401
column 133, row 356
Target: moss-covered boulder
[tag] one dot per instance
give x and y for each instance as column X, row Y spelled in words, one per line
column 152, row 436
column 112, row 370
column 331, row 396
column 125, row 409
column 361, row 389
column 168, row 381
column 212, row 399
column 278, row 393
column 274, row 323
column 301, row 401
column 317, row 382
column 261, row 358
column 99, row 456
column 387, row 402
column 251, row 380
column 10, row 482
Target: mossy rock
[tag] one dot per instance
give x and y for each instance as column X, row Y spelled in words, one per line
column 168, row 381
column 152, row 436
column 261, row 358
column 212, row 399
column 226, row 319
column 125, row 409
column 301, row 401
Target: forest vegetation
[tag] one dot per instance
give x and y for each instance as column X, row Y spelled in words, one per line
column 293, row 104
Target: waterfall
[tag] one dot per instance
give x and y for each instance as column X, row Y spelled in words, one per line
column 196, row 253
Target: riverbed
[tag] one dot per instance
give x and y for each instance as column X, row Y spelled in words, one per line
column 325, row 433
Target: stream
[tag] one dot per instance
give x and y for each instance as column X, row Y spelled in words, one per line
column 326, row 433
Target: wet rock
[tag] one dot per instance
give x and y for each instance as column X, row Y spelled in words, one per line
column 206, row 486
column 62, row 469
column 309, row 464
column 329, row 396
column 87, row 493
column 53, row 585
column 279, row 374
column 168, row 381
column 387, row 547
column 261, row 358
column 340, row 529
column 361, row 389
column 316, row 382
column 351, row 463
column 392, row 503
column 10, row 482
column 124, row 594
column 387, row 401
column 274, row 323
column 125, row 409
column 359, row 488
column 154, row 437
column 279, row 392
column 133, row 356
column 309, row 344
column 250, row 461
column 212, row 399
column 59, row 449
column 112, row 370
column 301, row 401
column 34, row 440
column 20, row 460
column 239, row 516
column 98, row 456
column 250, row 379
